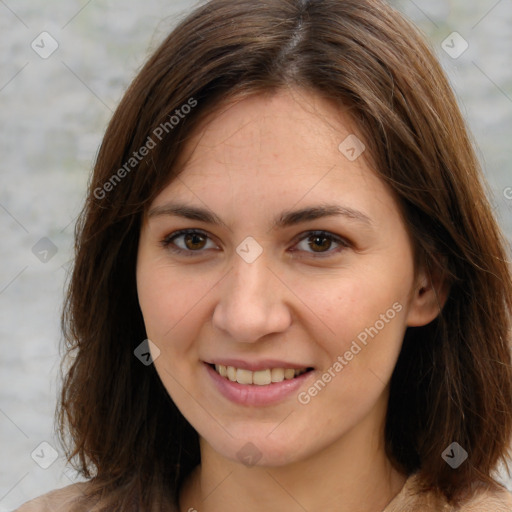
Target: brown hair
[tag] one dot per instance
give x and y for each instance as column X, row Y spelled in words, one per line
column 453, row 379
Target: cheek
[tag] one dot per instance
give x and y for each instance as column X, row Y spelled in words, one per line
column 168, row 315
column 163, row 297
column 345, row 305
column 360, row 317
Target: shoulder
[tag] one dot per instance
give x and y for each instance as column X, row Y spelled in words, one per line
column 67, row 499
column 483, row 499
column 489, row 500
column 59, row 500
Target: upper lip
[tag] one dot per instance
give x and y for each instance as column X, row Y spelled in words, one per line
column 255, row 366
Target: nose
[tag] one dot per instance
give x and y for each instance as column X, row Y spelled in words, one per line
column 252, row 302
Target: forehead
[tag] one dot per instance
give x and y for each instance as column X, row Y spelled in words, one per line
column 277, row 149
column 268, row 127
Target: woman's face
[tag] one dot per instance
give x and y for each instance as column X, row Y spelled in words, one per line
column 297, row 258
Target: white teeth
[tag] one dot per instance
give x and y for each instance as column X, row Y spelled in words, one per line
column 231, row 373
column 259, row 378
column 243, row 376
column 289, row 373
column 277, row 374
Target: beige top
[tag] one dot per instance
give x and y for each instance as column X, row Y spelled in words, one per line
column 407, row 500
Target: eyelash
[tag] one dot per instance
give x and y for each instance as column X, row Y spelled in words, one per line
column 168, row 242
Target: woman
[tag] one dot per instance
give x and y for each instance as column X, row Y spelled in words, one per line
column 289, row 290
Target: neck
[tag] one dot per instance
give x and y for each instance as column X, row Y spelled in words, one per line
column 352, row 474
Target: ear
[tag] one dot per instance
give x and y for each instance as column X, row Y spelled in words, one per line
column 428, row 297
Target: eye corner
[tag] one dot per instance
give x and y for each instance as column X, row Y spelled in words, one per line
column 167, row 242
column 343, row 243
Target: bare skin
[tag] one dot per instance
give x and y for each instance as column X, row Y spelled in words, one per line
column 305, row 299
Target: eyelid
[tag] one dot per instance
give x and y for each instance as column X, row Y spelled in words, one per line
column 341, row 241
column 167, row 241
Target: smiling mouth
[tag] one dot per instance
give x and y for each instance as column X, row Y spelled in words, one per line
column 258, row 378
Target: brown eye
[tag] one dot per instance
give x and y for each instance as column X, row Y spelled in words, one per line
column 194, row 241
column 320, row 241
column 187, row 242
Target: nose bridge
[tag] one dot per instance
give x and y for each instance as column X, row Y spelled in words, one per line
column 251, row 303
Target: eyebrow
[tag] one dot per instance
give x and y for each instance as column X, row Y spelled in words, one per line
column 285, row 219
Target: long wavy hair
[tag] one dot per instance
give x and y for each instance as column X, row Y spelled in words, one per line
column 453, row 379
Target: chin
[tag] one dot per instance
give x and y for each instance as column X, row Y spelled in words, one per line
column 260, row 450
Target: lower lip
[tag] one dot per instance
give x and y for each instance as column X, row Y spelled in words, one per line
column 252, row 394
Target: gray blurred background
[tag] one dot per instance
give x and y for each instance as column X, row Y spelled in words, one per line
column 54, row 108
